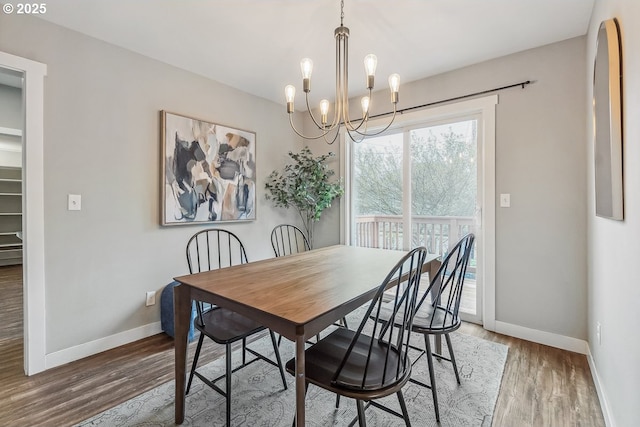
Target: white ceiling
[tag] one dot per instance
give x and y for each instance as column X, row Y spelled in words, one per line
column 256, row 45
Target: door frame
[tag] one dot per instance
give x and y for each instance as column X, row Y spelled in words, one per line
column 485, row 108
column 33, row 266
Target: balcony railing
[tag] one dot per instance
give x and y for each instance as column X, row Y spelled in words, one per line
column 436, row 233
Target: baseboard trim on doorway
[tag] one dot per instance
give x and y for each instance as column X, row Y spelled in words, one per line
column 541, row 337
column 103, row 344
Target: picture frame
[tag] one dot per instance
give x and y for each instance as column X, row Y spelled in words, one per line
column 607, row 121
column 208, row 172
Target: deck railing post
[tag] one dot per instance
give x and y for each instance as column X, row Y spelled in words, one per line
column 453, row 233
column 436, row 233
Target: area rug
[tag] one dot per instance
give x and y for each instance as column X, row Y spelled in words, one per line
column 258, row 398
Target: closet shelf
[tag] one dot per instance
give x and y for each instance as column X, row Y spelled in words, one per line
column 11, row 246
column 10, row 131
column 11, row 218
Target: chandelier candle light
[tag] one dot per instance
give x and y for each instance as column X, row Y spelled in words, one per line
column 341, row 111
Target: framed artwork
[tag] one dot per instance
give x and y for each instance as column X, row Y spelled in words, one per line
column 208, row 172
column 607, row 117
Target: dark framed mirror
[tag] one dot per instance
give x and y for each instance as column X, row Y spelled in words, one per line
column 607, row 122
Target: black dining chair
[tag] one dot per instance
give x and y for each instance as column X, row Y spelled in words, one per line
column 371, row 362
column 287, row 239
column 209, row 250
column 438, row 308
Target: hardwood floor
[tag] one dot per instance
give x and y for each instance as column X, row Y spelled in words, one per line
column 541, row 386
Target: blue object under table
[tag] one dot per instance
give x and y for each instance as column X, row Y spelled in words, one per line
column 166, row 312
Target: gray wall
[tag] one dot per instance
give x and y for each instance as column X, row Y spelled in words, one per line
column 614, row 246
column 540, row 160
column 101, row 140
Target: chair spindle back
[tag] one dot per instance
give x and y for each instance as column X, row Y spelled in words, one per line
column 288, row 239
column 449, row 281
column 214, row 248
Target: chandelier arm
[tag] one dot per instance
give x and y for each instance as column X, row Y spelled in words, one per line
column 364, row 134
column 301, row 135
column 345, row 84
column 355, row 139
column 337, row 105
column 364, row 120
column 306, row 97
column 334, row 137
column 348, row 124
column 339, row 102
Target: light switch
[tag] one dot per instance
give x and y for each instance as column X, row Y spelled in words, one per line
column 505, row 200
column 75, row 202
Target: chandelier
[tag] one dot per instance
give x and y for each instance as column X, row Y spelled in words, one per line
column 356, row 129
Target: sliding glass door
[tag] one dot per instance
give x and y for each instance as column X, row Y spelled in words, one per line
column 444, row 192
column 378, row 179
column 418, row 186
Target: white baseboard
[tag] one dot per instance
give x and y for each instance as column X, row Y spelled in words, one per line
column 107, row 343
column 604, row 404
column 542, row 337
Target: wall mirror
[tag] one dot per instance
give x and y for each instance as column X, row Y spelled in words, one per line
column 607, row 122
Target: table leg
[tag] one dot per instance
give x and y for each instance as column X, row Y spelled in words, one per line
column 300, row 380
column 182, row 318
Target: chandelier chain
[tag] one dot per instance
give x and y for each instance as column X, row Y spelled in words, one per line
column 342, row 13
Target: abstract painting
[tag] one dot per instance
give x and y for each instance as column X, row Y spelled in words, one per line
column 208, row 172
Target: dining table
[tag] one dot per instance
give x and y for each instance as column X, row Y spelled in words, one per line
column 296, row 296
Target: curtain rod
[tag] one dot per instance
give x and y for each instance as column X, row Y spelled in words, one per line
column 401, row 111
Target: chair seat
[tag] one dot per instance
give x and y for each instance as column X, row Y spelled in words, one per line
column 323, row 359
column 226, row 326
column 426, row 319
column 436, row 321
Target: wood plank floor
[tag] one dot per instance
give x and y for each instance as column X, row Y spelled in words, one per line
column 541, row 386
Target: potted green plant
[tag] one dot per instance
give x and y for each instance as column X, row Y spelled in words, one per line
column 305, row 184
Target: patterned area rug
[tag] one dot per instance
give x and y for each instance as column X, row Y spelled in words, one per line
column 258, row 398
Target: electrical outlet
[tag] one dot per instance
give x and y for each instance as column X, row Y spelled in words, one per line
column 151, row 298
column 598, row 333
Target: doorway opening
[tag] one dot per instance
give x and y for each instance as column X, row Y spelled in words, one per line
column 11, row 193
column 32, row 209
